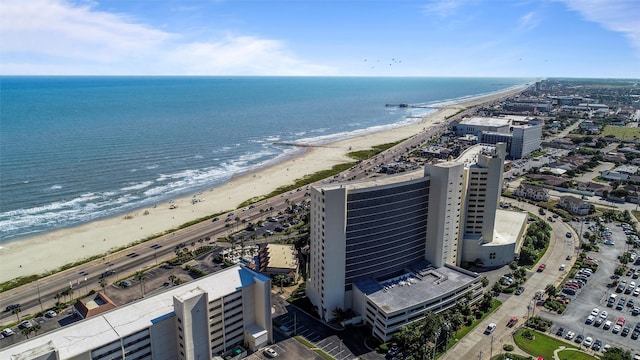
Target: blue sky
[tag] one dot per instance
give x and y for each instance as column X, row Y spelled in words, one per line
column 507, row 38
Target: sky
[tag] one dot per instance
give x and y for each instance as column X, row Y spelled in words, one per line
column 479, row 38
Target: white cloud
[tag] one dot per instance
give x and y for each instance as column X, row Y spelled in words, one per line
column 56, row 37
column 620, row 16
column 529, row 21
column 443, row 8
column 242, row 55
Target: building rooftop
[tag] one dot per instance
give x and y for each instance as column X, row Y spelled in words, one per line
column 378, row 181
column 417, row 285
column 486, row 121
column 507, row 227
column 282, row 256
column 104, row 328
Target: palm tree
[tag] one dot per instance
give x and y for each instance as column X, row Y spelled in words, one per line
column 551, row 290
column 103, row 284
column 16, row 312
column 27, row 331
column 141, row 276
column 172, row 278
column 279, row 279
column 36, row 328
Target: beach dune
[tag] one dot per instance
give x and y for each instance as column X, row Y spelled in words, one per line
column 48, row 251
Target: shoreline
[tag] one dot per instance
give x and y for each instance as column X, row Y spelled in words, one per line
column 51, row 250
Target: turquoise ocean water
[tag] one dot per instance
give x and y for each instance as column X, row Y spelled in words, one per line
column 76, row 149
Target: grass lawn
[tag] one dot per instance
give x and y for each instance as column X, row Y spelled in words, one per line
column 621, row 132
column 574, row 355
column 543, row 345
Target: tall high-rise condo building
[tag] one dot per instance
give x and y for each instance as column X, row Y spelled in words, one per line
column 367, row 232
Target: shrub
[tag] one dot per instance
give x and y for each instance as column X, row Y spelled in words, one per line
column 507, row 347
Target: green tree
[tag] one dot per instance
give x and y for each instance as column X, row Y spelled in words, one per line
column 551, row 290
column 103, row 284
column 616, row 353
column 16, row 312
column 141, row 277
column 280, row 279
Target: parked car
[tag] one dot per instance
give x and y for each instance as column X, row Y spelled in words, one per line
column 26, row 324
column 8, row 332
column 625, row 331
column 597, row 345
column 269, row 352
column 560, row 331
column 51, row 314
column 519, row 290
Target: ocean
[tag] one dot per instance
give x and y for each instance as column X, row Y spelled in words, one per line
column 77, row 149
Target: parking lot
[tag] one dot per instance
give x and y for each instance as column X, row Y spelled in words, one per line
column 595, row 293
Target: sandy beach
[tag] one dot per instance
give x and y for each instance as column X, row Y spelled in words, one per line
column 51, row 250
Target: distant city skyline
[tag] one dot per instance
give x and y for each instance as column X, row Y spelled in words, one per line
column 546, row 38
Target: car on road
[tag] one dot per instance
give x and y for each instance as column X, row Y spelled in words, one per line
column 541, row 267
column 519, row 290
column 568, row 257
column 11, row 307
column 490, row 328
column 513, row 321
column 568, row 234
column 269, row 352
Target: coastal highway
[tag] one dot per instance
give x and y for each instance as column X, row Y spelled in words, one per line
column 40, row 295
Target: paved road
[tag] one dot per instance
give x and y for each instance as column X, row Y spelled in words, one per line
column 477, row 345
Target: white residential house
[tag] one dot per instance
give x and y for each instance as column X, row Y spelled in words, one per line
column 574, row 205
column 533, row 192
